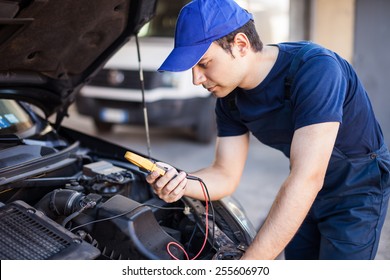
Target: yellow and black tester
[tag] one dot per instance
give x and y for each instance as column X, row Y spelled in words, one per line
column 145, row 163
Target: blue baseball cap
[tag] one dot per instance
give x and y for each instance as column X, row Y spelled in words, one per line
column 200, row 23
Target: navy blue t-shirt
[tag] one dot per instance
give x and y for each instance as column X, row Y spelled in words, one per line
column 325, row 89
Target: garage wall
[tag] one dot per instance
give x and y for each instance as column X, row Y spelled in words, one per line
column 332, row 25
column 327, row 22
column 372, row 55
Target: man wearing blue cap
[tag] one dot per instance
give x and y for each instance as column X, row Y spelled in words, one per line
column 304, row 101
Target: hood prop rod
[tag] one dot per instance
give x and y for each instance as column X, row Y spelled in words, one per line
column 145, row 110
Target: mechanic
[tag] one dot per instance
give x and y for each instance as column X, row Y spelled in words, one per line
column 333, row 203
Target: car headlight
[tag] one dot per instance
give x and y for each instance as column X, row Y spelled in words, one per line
column 115, row 77
column 170, row 79
column 238, row 212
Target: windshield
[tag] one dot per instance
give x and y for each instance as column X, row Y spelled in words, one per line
column 163, row 24
column 13, row 119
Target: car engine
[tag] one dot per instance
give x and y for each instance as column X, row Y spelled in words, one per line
column 77, row 203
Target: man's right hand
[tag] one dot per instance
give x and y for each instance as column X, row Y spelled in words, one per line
column 171, row 186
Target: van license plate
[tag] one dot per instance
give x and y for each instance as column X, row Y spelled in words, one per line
column 114, row 115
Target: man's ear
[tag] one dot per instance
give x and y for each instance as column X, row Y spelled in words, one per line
column 242, row 43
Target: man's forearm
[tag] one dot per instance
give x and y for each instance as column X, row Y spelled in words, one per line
column 218, row 184
column 285, row 217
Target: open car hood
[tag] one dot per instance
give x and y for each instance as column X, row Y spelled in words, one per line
column 49, row 49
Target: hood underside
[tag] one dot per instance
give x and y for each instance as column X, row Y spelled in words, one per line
column 50, row 48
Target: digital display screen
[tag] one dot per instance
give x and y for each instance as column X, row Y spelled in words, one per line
column 4, row 123
column 11, row 118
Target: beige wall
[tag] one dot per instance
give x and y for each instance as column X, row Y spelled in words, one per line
column 332, row 25
column 271, row 18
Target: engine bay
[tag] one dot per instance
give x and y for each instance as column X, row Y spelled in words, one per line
column 104, row 209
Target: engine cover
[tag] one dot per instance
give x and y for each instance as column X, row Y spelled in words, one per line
column 131, row 231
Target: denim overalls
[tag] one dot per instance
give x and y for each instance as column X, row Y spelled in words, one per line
column 347, row 216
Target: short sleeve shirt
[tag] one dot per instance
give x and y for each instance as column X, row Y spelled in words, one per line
column 325, row 89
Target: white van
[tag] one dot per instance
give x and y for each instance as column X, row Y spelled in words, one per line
column 114, row 95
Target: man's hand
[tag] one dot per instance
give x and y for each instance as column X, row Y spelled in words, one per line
column 169, row 187
column 226, row 170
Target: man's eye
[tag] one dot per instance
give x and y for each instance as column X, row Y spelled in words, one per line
column 203, row 65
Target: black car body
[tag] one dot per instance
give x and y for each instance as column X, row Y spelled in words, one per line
column 68, row 195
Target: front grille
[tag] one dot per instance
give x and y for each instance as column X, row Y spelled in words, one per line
column 131, row 80
column 28, row 235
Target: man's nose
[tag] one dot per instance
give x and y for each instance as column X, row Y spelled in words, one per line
column 197, row 76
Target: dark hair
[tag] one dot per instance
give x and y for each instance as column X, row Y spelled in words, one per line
column 249, row 30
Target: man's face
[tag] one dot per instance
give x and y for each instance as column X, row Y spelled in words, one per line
column 218, row 71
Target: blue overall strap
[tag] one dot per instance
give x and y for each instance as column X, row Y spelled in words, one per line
column 294, row 67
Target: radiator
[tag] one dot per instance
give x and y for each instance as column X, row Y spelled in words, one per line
column 27, row 234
